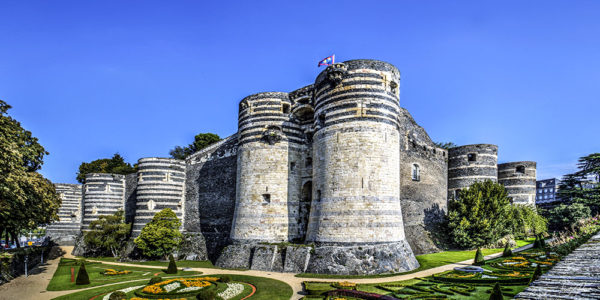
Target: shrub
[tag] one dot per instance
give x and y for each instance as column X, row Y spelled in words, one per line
column 155, row 280
column 161, row 235
column 172, row 268
column 118, row 295
column 479, row 259
column 206, row 295
column 536, row 274
column 496, row 293
column 225, row 278
column 563, row 216
column 507, row 252
column 82, row 276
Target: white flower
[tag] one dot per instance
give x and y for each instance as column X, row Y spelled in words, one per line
column 189, row 289
column 125, row 290
column 171, row 286
column 233, row 289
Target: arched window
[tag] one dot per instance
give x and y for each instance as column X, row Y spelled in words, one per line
column 472, row 157
column 416, row 172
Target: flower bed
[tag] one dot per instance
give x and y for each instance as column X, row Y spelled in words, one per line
column 178, row 287
column 233, row 289
column 112, row 272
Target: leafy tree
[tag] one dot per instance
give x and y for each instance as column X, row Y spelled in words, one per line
column 172, row 268
column 526, row 221
column 114, row 165
column 27, row 199
column 201, row 141
column 582, row 186
column 479, row 259
column 496, row 293
column 108, row 233
column 507, row 251
column 161, row 235
column 480, row 215
column 446, row 145
column 563, row 216
column 82, row 275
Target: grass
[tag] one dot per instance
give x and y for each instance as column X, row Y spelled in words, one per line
column 180, row 263
column 62, row 277
column 266, row 289
column 426, row 261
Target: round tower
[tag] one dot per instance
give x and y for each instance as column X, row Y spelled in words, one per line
column 469, row 164
column 356, row 171
column 160, row 185
column 266, row 146
column 519, row 179
column 103, row 194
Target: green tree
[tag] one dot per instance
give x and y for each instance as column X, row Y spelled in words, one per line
column 201, row 141
column 583, row 186
column 496, row 293
column 172, row 268
column 82, row 275
column 27, row 199
column 507, row 251
column 479, row 259
column 161, row 235
column 446, row 145
column 108, row 234
column 525, row 221
column 114, row 165
column 563, row 216
column 536, row 274
column 480, row 215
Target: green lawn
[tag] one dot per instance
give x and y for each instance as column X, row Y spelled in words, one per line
column 180, row 263
column 266, row 289
column 62, row 277
column 427, row 261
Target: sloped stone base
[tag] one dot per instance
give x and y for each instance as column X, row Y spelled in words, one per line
column 265, row 257
column 368, row 259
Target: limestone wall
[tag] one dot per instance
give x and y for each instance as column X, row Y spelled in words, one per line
column 160, row 185
column 423, row 194
column 469, row 164
column 67, row 228
column 266, row 142
column 356, row 161
column 519, row 179
column 104, row 194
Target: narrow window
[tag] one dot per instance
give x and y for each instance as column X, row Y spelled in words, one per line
column 318, row 196
column 309, row 162
column 292, row 166
column 521, row 169
column 416, row 172
column 266, row 198
column 322, row 119
column 285, row 108
column 456, row 193
column 472, row 157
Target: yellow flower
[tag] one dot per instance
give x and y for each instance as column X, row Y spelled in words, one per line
column 346, row 284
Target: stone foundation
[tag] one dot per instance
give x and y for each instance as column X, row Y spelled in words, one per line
column 275, row 258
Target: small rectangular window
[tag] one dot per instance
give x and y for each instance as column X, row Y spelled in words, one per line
column 472, row 157
column 266, row 198
column 285, row 108
column 292, row 166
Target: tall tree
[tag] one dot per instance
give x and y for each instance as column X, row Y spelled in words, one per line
column 108, row 234
column 161, row 235
column 201, row 141
column 114, row 165
column 27, row 199
column 583, row 186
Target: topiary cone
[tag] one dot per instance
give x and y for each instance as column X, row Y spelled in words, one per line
column 507, row 251
column 82, row 276
column 479, row 260
column 536, row 274
column 496, row 293
column 172, row 269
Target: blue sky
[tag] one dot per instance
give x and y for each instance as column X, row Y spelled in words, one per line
column 91, row 78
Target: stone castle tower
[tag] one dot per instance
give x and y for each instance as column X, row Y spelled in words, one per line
column 334, row 177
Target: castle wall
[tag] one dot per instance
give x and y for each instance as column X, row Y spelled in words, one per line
column 104, row 194
column 356, row 172
column 266, row 141
column 469, row 164
column 519, row 179
column 210, row 193
column 424, row 197
column 68, row 226
column 160, row 185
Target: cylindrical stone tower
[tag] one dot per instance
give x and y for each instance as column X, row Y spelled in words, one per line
column 69, row 224
column 161, row 184
column 356, row 171
column 519, row 179
column 104, row 194
column 266, row 144
column 469, row 164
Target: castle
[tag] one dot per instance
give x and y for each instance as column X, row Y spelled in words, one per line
column 334, row 177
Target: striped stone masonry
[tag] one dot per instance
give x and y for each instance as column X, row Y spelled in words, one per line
column 576, row 276
column 469, row 164
column 160, row 185
column 519, row 179
column 104, row 194
column 66, row 229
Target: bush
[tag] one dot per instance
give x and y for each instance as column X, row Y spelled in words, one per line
column 155, row 280
column 496, row 293
column 172, row 268
column 118, row 295
column 82, row 276
column 507, row 251
column 206, row 295
column 479, row 259
column 563, row 216
column 536, row 274
column 225, row 278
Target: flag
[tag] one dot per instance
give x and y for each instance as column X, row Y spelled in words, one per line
column 327, row 61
